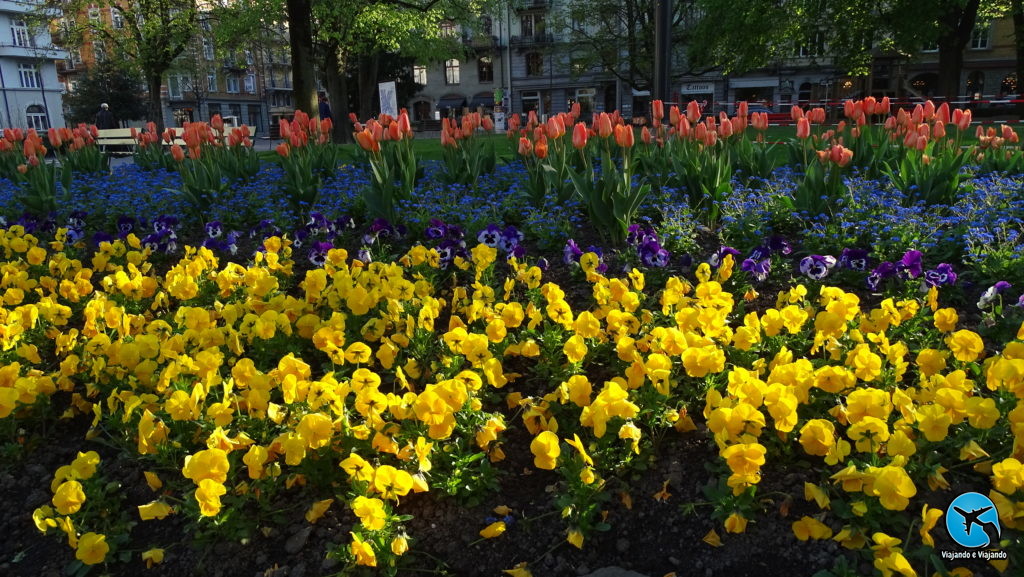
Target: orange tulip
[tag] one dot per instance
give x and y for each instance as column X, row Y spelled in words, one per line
column 725, row 128
column 693, row 112
column 555, row 127
column 217, row 123
column 624, row 136
column 525, row 146
column 803, row 128
column 942, row 114
column 367, row 141
column 574, row 111
column 673, row 115
column 742, row 109
column 177, row 153
column 22, row 168
column 796, row 113
column 487, row 124
column 579, row 135
column 54, row 138
column 938, row 131
column 393, row 132
column 282, row 150
column 645, row 135
column 965, row 120
column 657, row 110
column 541, row 149
column 604, row 125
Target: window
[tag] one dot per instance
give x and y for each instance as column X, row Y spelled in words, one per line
column 448, row 29
column 586, row 96
column 419, row 74
column 534, row 64
column 451, row 71
column 485, row 69
column 248, row 57
column 930, row 46
column 29, row 75
column 116, row 19
column 1009, row 84
column 75, row 57
column 204, row 22
column 35, row 117
column 99, row 51
column 19, row 33
column 175, row 86
column 211, row 82
column 485, row 25
column 531, row 101
column 531, row 25
column 208, row 49
column 814, row 47
column 232, row 85
column 250, row 84
column 980, row 38
column 94, row 14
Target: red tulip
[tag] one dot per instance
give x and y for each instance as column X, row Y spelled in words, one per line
column 579, row 135
column 796, row 113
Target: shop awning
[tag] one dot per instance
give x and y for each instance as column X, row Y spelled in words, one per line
column 451, row 102
column 481, row 101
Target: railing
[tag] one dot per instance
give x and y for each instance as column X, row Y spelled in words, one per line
column 542, row 38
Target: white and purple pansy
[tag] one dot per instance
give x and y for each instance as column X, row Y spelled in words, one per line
column 940, row 276
column 817, row 266
column 991, row 293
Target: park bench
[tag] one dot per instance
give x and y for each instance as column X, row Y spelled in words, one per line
column 120, row 141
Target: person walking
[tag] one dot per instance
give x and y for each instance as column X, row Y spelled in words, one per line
column 105, row 118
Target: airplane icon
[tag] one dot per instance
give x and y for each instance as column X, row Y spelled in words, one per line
column 971, row 519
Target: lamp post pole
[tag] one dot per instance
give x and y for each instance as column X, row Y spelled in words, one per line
column 662, row 49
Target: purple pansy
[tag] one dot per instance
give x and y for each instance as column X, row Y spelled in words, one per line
column 318, row 253
column 882, row 271
column 854, row 259
column 759, row 269
column 490, row 236
column 716, row 259
column 571, row 253
column 214, row 229
column 653, row 254
column 910, row 266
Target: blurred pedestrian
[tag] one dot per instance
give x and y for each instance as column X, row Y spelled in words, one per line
column 105, row 118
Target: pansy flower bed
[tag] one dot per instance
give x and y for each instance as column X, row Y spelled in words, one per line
column 358, row 349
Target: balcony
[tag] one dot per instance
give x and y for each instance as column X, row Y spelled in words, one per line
column 532, row 5
column 480, row 41
column 532, row 40
column 16, row 51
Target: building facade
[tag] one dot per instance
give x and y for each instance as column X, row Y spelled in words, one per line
column 530, row 65
column 30, row 94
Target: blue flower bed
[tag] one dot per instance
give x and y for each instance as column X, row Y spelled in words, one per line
column 980, row 235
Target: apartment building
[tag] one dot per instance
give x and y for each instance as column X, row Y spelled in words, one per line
column 30, row 94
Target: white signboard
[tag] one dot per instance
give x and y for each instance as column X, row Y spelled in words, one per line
column 388, row 98
column 499, row 121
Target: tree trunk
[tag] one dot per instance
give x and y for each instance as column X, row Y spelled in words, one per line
column 155, row 112
column 337, row 91
column 300, row 39
column 1017, row 8
column 956, row 26
column 367, row 84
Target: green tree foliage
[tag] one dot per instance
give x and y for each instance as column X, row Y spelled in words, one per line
column 762, row 32
column 149, row 33
column 106, row 82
